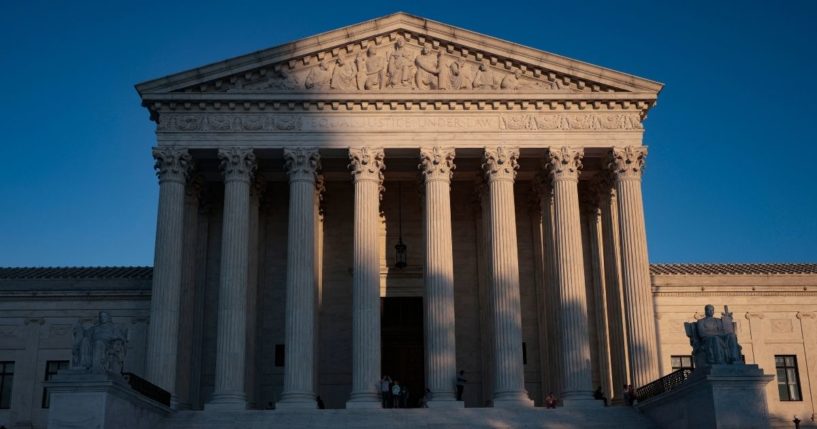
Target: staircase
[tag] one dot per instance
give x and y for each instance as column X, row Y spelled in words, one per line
column 493, row 418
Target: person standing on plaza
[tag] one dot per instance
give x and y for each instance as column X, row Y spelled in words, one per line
column 395, row 394
column 385, row 391
column 550, row 400
column 460, row 384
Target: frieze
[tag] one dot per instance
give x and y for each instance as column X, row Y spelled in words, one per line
column 266, row 123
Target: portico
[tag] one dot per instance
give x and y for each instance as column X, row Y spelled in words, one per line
column 521, row 209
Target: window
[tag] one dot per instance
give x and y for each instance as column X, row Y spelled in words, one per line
column 51, row 369
column 788, row 380
column 682, row 362
column 6, row 379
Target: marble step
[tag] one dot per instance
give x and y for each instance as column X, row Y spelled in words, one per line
column 494, row 418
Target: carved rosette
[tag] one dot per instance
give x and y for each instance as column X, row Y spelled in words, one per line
column 367, row 163
column 437, row 163
column 172, row 164
column 302, row 164
column 565, row 163
column 237, row 164
column 627, row 162
column 500, row 163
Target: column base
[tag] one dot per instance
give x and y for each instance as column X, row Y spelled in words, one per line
column 512, row 400
column 364, row 400
column 297, row 401
column 446, row 403
column 227, row 402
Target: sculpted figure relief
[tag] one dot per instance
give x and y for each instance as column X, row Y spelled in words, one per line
column 399, row 66
column 713, row 340
column 319, row 77
column 427, row 69
column 343, row 76
column 101, row 347
column 484, row 79
column 375, row 70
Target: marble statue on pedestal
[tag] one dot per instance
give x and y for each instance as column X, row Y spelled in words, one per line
column 100, row 348
column 713, row 340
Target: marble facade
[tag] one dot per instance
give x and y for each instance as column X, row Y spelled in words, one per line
column 521, row 209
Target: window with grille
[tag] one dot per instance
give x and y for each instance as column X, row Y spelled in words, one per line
column 52, row 367
column 682, row 362
column 788, row 378
column 6, row 380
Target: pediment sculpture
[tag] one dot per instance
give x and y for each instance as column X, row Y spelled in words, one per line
column 713, row 340
column 401, row 63
column 101, row 347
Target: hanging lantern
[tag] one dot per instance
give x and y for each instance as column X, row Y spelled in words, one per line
column 400, row 248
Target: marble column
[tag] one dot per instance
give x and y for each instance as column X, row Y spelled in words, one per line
column 500, row 165
column 301, row 165
column 367, row 168
column 539, row 273
column 436, row 165
column 172, row 168
column 627, row 164
column 238, row 166
column 187, row 309
column 577, row 389
column 552, row 278
column 596, row 253
column 619, row 357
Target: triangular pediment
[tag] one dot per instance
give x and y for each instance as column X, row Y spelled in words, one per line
column 399, row 53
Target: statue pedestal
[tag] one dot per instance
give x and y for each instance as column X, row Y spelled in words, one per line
column 105, row 401
column 720, row 396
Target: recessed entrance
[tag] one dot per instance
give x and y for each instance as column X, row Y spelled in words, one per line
column 401, row 327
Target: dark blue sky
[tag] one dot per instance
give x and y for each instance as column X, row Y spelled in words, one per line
column 733, row 147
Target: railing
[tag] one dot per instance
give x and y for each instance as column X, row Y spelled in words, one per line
column 147, row 388
column 662, row 385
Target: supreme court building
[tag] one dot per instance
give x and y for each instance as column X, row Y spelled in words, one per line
column 401, row 197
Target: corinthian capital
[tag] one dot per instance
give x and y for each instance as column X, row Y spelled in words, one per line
column 437, row 163
column 302, row 164
column 627, row 162
column 565, row 163
column 500, row 163
column 172, row 164
column 237, row 164
column 367, row 163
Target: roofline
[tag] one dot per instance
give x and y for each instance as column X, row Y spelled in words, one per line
column 385, row 24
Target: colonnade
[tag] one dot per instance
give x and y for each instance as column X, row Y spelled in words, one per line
column 621, row 223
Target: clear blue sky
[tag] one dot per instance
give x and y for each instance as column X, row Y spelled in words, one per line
column 733, row 145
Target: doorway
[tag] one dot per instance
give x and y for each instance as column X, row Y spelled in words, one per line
column 401, row 339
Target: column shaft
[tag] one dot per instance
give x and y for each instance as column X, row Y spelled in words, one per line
column 440, row 350
column 301, row 294
column 627, row 163
column 565, row 164
column 615, row 295
column 509, row 377
column 238, row 166
column 173, row 166
column 366, row 165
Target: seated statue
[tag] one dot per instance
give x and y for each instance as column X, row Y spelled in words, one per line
column 713, row 340
column 100, row 348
